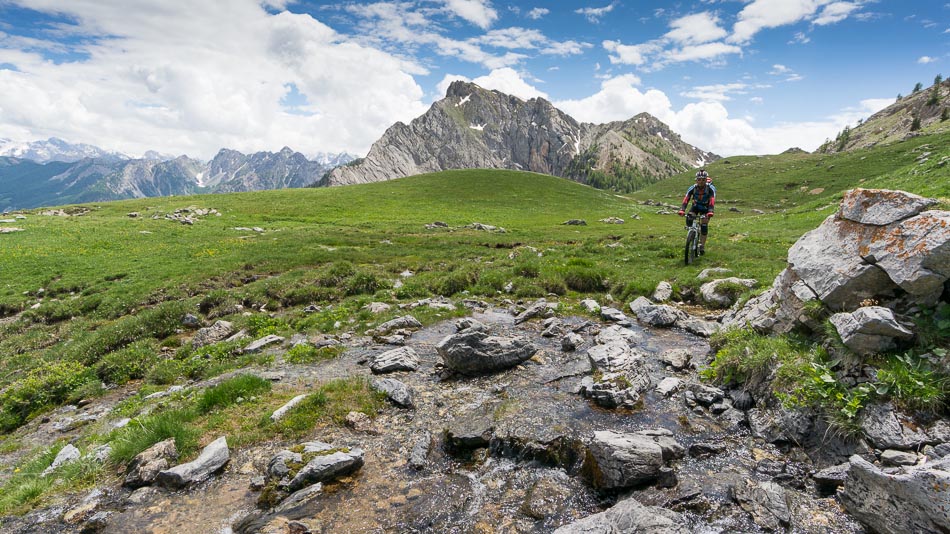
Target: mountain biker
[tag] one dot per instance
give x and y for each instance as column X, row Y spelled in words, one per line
column 703, row 195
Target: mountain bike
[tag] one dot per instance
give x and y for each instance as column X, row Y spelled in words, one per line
column 692, row 239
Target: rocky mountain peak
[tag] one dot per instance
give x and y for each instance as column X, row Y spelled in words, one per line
column 473, row 127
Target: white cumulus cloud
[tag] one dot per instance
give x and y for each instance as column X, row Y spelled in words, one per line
column 923, row 60
column 538, row 12
column 478, row 12
column 696, row 29
column 594, row 14
column 506, row 80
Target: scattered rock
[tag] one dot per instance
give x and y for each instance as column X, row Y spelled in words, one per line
column 326, row 467
column 401, row 359
column 398, row 392
column 869, row 330
column 212, row 458
column 279, row 413
column 713, row 294
column 67, row 454
column 894, row 458
column 629, row 516
column 473, row 352
column 145, row 467
column 219, row 331
column 619, row 460
column 911, row 501
column 663, row 292
column 571, row 342
column 668, row 386
column 766, row 502
column 262, row 343
column 420, row 451
column 406, row 321
column 678, row 359
column 575, row 222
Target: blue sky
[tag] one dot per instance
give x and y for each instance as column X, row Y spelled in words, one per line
column 731, row 76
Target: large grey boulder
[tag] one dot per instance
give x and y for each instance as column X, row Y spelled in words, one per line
column 622, row 460
column 881, row 207
column 766, row 502
column 401, row 359
column 869, row 330
column 621, row 389
column 212, row 458
column 629, row 516
column 260, row 344
column 474, row 353
column 145, row 467
column 880, row 244
column 659, row 315
column 914, row 500
column 619, row 334
column 397, row 391
column 541, row 308
column 663, row 292
column 884, row 430
column 613, row 356
column 219, row 331
column 67, row 454
column 326, row 467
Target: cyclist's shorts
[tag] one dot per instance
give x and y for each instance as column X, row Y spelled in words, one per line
column 700, row 211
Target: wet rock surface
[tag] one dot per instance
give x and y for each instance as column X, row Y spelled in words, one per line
column 507, row 451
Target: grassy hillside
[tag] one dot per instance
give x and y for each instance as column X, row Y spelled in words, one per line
column 82, row 291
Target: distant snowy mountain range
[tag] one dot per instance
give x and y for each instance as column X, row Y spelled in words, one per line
column 55, row 172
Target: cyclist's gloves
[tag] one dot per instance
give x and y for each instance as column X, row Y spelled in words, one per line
column 681, row 213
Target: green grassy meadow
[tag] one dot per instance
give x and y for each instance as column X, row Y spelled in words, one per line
column 94, row 301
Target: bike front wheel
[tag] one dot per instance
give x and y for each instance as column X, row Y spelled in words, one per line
column 691, row 246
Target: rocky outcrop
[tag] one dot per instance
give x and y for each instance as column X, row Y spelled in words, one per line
column 401, row 359
column 630, row 516
column 913, row 500
column 880, row 246
column 473, row 127
column 474, row 352
column 619, row 460
column 869, row 330
column 145, row 467
column 212, row 458
column 219, row 331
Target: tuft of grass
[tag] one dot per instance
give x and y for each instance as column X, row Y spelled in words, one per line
column 914, row 383
column 329, row 404
column 144, row 432
column 228, row 392
column 26, row 488
column 304, row 353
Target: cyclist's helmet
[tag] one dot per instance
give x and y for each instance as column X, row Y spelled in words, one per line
column 701, row 173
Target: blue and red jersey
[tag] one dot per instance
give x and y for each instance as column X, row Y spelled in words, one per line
column 704, row 199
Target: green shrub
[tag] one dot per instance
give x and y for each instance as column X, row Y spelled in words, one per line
column 336, row 274
column 553, row 284
column 53, row 311
column 527, row 268
column 228, row 392
column 214, row 300
column 165, row 372
column 490, row 282
column 914, row 383
column 130, row 363
column 157, row 322
column 583, row 278
column 44, row 387
column 456, row 282
column 363, row 283
column 260, row 325
column 308, row 295
column 26, row 487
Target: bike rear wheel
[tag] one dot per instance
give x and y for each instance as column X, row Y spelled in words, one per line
column 691, row 247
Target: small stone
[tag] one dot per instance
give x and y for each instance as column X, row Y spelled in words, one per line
column 893, row 457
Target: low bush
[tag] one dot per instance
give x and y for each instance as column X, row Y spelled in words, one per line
column 363, row 283
column 46, row 386
column 157, row 322
column 260, row 325
column 130, row 363
column 26, row 487
column 914, row 383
